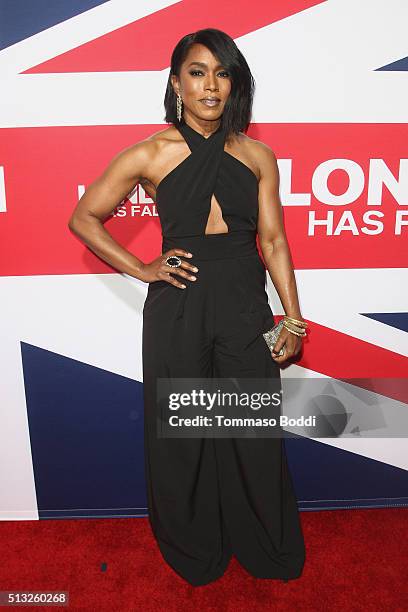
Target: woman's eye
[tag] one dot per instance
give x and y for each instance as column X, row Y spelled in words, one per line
column 194, row 72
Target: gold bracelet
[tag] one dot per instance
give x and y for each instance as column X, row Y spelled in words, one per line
column 296, row 321
column 296, row 328
column 294, row 332
column 302, row 323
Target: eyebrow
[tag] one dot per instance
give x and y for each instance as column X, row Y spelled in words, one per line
column 204, row 65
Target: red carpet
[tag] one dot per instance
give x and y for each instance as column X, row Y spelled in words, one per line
column 356, row 560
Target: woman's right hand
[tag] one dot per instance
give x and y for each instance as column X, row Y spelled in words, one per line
column 159, row 270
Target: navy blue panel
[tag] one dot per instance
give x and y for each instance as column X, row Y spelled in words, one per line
column 327, row 477
column 399, row 320
column 86, row 431
column 20, row 19
column 399, row 65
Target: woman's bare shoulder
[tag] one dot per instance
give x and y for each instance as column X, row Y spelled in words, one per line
column 152, row 144
column 261, row 153
column 259, row 156
column 162, row 137
column 139, row 156
column 257, row 147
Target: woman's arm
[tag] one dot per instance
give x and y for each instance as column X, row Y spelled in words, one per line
column 274, row 246
column 101, row 198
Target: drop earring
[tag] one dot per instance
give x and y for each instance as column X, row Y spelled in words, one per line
column 179, row 107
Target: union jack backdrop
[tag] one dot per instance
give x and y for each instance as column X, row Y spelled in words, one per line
column 83, row 79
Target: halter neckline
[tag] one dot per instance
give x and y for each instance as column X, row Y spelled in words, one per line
column 184, row 195
column 184, row 124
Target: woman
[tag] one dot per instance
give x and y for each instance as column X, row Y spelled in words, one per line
column 206, row 310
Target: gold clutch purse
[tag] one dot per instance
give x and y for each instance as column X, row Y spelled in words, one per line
column 271, row 337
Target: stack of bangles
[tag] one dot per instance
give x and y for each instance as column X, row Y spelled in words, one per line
column 295, row 326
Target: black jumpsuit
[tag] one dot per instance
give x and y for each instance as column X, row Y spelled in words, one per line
column 210, row 498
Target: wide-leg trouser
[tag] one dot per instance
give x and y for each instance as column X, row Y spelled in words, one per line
column 209, row 498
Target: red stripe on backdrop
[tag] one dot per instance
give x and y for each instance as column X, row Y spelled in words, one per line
column 147, row 44
column 44, row 166
column 341, row 356
column 363, row 233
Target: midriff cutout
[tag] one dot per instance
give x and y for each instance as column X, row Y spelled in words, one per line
column 215, row 220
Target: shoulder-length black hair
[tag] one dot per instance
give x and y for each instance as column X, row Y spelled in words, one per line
column 238, row 109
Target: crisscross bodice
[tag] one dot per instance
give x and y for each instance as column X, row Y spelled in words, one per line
column 183, row 196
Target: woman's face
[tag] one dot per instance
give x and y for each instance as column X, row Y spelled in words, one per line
column 201, row 77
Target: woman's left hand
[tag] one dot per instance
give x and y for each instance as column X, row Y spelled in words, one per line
column 290, row 342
